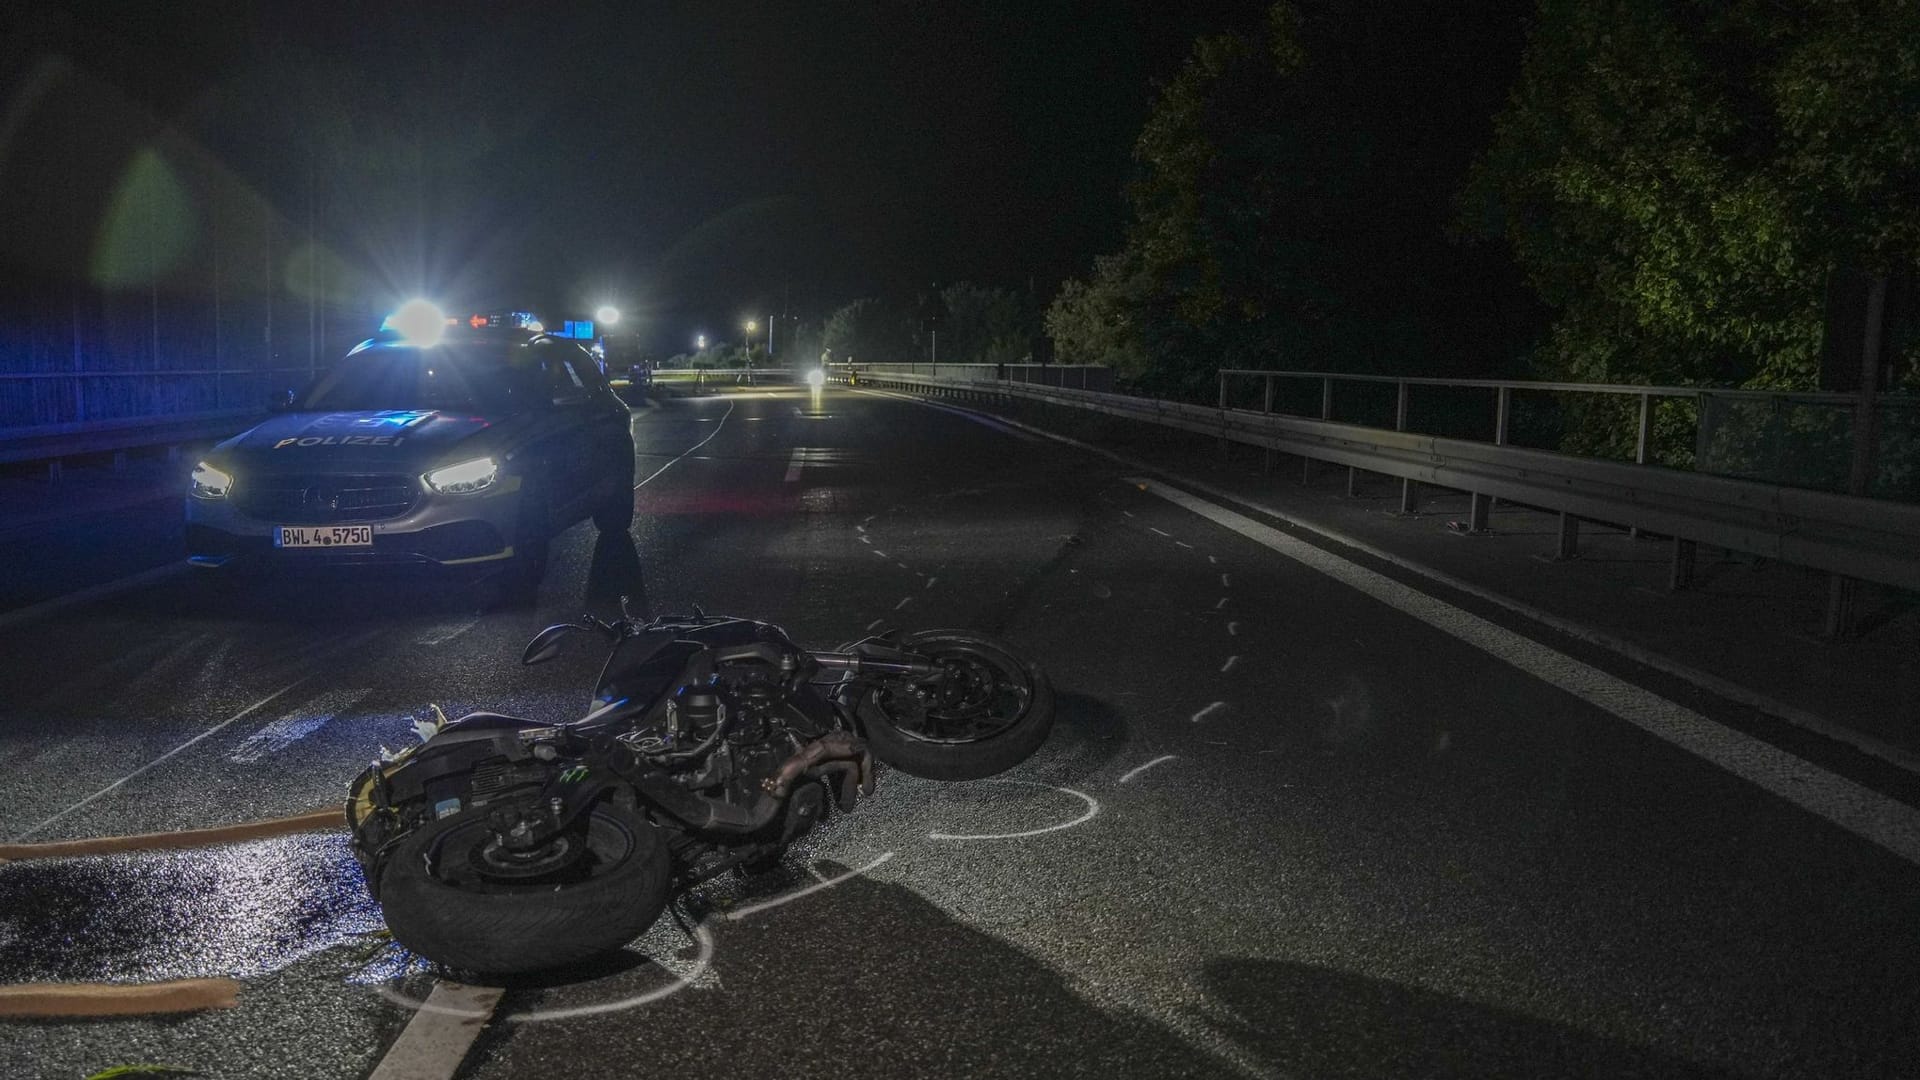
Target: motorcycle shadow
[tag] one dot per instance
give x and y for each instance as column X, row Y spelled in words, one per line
column 1088, row 733
column 865, row 979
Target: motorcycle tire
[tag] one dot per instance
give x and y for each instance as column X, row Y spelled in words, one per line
column 898, row 740
column 494, row 928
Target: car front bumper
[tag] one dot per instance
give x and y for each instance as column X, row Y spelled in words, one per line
column 440, row 530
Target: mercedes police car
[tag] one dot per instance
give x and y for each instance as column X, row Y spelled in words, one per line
column 451, row 442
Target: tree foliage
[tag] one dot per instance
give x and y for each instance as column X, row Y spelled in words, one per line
column 1292, row 201
column 983, row 325
column 869, row 331
column 1676, row 180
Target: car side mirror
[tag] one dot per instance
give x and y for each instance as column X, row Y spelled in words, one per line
column 280, row 402
column 546, row 644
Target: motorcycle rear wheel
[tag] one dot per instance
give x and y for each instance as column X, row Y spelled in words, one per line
column 997, row 710
column 439, row 904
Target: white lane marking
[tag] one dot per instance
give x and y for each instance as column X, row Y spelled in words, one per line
column 866, row 539
column 1162, row 532
column 93, row 592
column 1129, row 513
column 1093, row 807
column 1184, row 544
column 875, row 624
column 1214, row 559
column 868, row 518
column 905, row 567
column 823, row 883
column 690, row 449
column 859, row 528
column 930, row 581
column 295, row 726
column 442, row 632
column 904, row 601
column 983, row 421
column 1206, row 712
column 1233, row 629
column 1232, row 662
column 215, row 729
column 437, row 1039
column 1221, row 604
column 1138, row 769
column 798, row 462
column 1860, row 810
column 1226, row 582
column 681, row 980
column 878, row 552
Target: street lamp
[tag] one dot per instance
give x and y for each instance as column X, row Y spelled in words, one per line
column 607, row 314
column 700, row 342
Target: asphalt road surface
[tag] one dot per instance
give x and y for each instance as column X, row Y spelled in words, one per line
column 1298, row 817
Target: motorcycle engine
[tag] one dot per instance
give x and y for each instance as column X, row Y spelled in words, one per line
column 724, row 735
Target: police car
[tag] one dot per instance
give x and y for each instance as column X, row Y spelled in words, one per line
column 450, row 442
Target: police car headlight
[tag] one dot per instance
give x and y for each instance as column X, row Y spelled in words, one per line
column 209, row 482
column 464, row 478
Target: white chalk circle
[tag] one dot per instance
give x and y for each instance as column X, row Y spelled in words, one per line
column 1093, row 808
column 701, row 936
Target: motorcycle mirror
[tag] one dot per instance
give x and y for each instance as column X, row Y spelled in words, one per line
column 546, row 644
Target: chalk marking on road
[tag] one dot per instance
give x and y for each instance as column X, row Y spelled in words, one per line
column 1214, row 559
column 1206, row 712
column 905, row 567
column 1129, row 513
column 1226, row 582
column 214, row 730
column 1093, row 808
column 866, row 539
column 904, row 601
column 1232, row 662
column 798, row 462
column 1866, row 813
column 868, row 518
column 1184, row 544
column 437, row 1039
column 1138, row 769
column 1233, row 628
column 823, row 883
column 859, row 528
column 296, row 725
column 690, row 449
column 880, row 553
column 1221, row 604
column 442, row 632
column 58, row 604
column 1162, row 532
column 875, row 624
column 930, row 581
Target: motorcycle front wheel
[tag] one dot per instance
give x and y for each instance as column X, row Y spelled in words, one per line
column 446, row 898
column 988, row 711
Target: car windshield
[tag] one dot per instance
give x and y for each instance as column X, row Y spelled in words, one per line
column 482, row 378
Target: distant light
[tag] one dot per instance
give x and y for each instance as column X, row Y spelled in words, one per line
column 421, row 322
column 816, row 378
column 477, row 321
column 752, row 326
column 537, row 326
column 700, row 342
column 608, row 314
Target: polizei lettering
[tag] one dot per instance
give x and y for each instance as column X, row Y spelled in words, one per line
column 343, row 440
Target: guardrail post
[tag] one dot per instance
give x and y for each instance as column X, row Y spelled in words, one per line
column 1569, row 547
column 1480, row 507
column 1683, row 553
column 1266, row 462
column 1640, row 442
column 1409, row 488
column 1326, row 413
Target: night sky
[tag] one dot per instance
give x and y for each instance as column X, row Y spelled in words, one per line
column 691, row 162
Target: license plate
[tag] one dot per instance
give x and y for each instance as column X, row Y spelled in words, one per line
column 323, row 536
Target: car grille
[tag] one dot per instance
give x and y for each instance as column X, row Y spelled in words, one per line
column 326, row 499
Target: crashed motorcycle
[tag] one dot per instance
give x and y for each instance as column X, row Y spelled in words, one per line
column 500, row 844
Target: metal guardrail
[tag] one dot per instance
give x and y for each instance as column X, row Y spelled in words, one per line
column 52, row 442
column 1851, row 536
column 1075, row 376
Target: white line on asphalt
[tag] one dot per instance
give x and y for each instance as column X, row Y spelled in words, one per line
column 437, row 1039
column 1093, row 807
column 221, row 726
column 905, row 567
column 1184, row 544
column 998, row 425
column 1214, row 559
column 690, row 449
column 1226, row 582
column 1206, row 712
column 1129, row 513
column 1860, row 810
column 296, row 725
column 1221, row 604
column 859, row 528
column 875, row 624
column 1138, row 769
column 58, row 604
column 880, row 553
column 1162, row 532
column 904, row 601
column 442, row 632
column 798, row 462
column 824, row 883
column 930, row 581
column 866, row 539
column 1232, row 662
column 1233, row 629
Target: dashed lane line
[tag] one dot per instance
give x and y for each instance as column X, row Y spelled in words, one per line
column 1138, row 769
column 1860, row 810
column 436, row 1040
column 1206, row 712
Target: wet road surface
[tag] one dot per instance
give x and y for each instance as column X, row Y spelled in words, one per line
column 1281, row 829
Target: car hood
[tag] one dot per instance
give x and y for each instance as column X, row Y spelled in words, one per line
column 348, row 441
